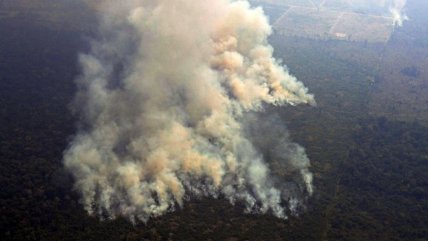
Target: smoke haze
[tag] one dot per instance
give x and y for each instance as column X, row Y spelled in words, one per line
column 168, row 98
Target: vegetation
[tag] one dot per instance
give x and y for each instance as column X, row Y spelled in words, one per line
column 411, row 71
column 369, row 165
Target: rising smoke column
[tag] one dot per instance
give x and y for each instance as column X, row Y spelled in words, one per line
column 396, row 9
column 163, row 97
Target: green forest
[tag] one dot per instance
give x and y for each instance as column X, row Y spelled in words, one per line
column 368, row 143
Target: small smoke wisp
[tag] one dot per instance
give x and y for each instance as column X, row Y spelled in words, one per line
column 163, row 99
column 392, row 8
column 397, row 12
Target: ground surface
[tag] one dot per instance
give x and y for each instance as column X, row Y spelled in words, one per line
column 367, row 140
column 323, row 20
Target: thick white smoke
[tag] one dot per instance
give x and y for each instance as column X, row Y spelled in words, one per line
column 396, row 10
column 163, row 98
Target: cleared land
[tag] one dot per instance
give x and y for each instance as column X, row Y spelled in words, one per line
column 330, row 24
column 306, row 22
column 334, row 19
column 362, row 27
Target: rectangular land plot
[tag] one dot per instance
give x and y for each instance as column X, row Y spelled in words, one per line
column 306, row 22
column 362, row 27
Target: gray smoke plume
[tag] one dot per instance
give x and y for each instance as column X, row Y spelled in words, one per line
column 163, row 99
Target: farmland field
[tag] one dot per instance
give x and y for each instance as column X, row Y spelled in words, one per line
column 328, row 20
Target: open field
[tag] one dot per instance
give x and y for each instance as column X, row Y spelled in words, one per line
column 367, row 6
column 306, row 22
column 360, row 27
column 332, row 24
column 328, row 20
